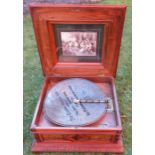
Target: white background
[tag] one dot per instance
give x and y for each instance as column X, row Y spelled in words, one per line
column 11, row 77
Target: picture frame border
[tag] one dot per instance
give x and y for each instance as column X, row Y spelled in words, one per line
column 99, row 29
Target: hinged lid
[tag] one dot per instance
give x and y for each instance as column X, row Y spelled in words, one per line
column 78, row 40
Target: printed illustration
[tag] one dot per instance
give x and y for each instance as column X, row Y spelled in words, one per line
column 79, row 43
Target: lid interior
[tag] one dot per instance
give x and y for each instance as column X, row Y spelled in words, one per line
column 78, row 40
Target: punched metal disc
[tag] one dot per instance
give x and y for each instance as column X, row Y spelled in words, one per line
column 60, row 109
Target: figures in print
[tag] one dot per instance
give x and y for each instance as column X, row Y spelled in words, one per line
column 79, row 43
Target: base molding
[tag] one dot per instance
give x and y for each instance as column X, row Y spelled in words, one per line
column 38, row 147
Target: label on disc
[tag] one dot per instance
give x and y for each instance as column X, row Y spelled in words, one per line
column 60, row 109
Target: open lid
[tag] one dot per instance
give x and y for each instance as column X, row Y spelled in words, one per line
column 78, row 40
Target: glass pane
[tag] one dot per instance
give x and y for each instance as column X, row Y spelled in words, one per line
column 79, row 42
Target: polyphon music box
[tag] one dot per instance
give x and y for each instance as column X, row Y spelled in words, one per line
column 79, row 46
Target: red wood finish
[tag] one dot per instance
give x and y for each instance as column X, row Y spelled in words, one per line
column 104, row 135
column 93, row 138
column 78, row 147
column 44, row 17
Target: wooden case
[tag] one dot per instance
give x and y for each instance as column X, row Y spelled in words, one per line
column 105, row 134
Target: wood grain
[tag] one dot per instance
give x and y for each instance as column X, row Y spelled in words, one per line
column 93, row 138
column 44, row 17
column 46, row 133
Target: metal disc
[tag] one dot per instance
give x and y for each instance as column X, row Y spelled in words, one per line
column 60, row 109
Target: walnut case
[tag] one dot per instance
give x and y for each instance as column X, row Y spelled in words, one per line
column 106, row 134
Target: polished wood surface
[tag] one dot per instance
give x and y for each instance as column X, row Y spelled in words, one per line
column 44, row 17
column 78, row 147
column 48, row 135
column 96, row 137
